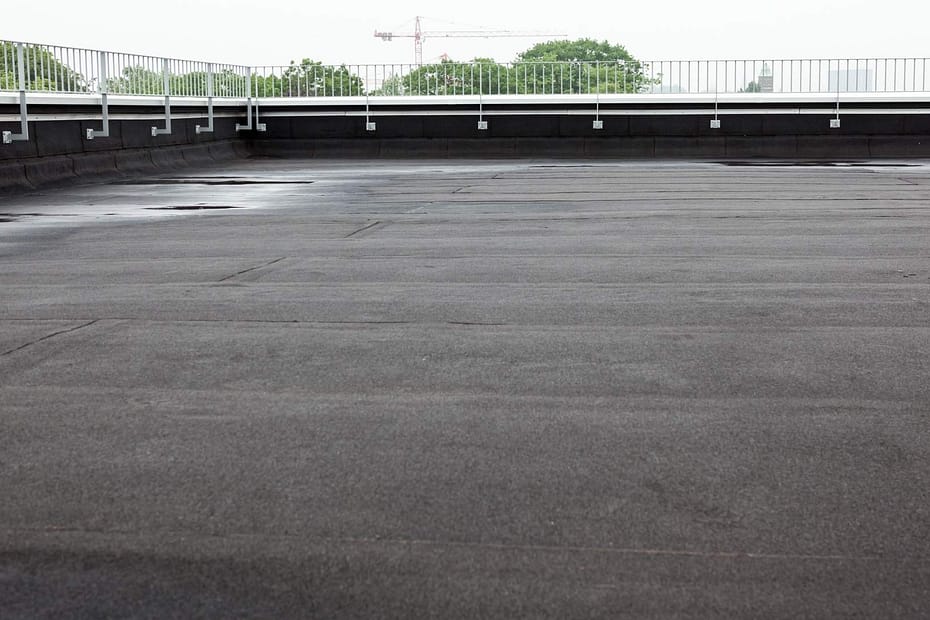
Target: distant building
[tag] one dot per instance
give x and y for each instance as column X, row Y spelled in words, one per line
column 766, row 80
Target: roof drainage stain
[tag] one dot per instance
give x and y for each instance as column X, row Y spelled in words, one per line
column 13, row 217
column 206, row 182
column 563, row 166
column 191, row 208
column 829, row 164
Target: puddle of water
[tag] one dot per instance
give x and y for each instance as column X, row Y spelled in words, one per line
column 212, row 181
column 13, row 217
column 190, row 208
column 814, row 164
column 563, row 166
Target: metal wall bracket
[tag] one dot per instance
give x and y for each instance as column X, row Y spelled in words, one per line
column 369, row 124
column 715, row 122
column 259, row 126
column 248, row 109
column 835, row 122
column 166, row 131
column 482, row 124
column 105, row 131
column 598, row 124
column 209, row 128
column 248, row 105
column 8, row 136
column 103, row 89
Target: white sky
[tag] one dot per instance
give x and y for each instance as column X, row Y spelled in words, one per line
column 276, row 31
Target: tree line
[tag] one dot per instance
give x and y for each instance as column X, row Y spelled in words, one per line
column 559, row 67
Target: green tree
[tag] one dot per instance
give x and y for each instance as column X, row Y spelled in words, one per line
column 309, row 79
column 433, row 79
column 480, row 76
column 557, row 67
column 266, row 85
column 226, row 83
column 137, row 80
column 752, row 87
column 490, row 77
column 43, row 71
column 390, row 86
column 8, row 81
column 579, row 50
column 579, row 66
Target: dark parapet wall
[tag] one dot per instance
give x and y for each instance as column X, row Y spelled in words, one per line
column 772, row 133
column 59, row 152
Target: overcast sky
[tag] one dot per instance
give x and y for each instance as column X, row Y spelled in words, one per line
column 276, row 31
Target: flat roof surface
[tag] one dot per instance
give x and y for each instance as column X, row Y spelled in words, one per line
column 468, row 389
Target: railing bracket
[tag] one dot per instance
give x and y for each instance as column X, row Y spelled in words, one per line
column 248, row 104
column 259, row 126
column 209, row 128
column 369, row 124
column 482, row 124
column 8, row 136
column 104, row 104
column 248, row 109
column 835, row 122
column 166, row 131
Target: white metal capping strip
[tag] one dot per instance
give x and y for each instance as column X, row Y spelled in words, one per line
column 821, row 111
column 55, row 99
column 96, row 116
column 829, row 111
column 93, row 99
column 592, row 99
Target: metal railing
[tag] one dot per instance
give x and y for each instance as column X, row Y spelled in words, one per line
column 818, row 76
column 881, row 75
column 66, row 70
column 33, row 68
column 56, row 69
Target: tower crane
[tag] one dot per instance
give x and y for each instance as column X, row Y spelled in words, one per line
column 418, row 35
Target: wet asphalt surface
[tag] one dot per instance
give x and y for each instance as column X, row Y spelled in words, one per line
column 540, row 389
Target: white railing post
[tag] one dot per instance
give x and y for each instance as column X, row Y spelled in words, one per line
column 166, row 86
column 8, row 136
column 248, row 104
column 209, row 128
column 103, row 89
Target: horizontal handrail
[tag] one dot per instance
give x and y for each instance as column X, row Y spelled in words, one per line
column 58, row 69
